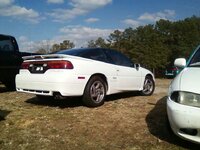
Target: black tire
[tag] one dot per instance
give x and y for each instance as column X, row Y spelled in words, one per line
column 95, row 92
column 10, row 85
column 148, row 87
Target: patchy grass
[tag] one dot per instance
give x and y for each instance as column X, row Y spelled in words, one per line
column 126, row 121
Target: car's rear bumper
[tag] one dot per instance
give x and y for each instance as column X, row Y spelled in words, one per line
column 184, row 120
column 67, row 84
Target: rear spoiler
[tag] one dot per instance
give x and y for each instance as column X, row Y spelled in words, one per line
column 51, row 56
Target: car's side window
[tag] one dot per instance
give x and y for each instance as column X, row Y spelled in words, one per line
column 196, row 58
column 119, row 59
column 6, row 45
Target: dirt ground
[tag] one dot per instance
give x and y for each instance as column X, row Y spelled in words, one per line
column 125, row 122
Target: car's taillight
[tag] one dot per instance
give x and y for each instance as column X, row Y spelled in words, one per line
column 174, row 69
column 25, row 65
column 60, row 64
column 35, row 66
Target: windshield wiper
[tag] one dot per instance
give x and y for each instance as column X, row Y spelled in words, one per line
column 197, row 64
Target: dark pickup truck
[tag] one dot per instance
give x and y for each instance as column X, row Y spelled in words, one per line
column 10, row 60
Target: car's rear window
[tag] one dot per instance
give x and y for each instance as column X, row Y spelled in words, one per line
column 94, row 54
column 73, row 52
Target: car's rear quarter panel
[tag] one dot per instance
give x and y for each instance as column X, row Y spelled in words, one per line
column 69, row 82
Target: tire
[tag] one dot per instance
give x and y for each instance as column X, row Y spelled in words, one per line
column 95, row 92
column 148, row 87
column 10, row 85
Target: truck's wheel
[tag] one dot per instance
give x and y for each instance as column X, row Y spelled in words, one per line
column 10, row 85
column 95, row 92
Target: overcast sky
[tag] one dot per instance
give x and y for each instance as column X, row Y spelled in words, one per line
column 37, row 23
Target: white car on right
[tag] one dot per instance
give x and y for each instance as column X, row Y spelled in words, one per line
column 183, row 102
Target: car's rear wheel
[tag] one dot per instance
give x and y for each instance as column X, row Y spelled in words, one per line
column 95, row 92
column 148, row 87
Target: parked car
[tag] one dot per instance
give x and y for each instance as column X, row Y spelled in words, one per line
column 171, row 71
column 10, row 60
column 183, row 102
column 93, row 73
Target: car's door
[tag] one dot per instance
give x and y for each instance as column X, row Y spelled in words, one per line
column 128, row 76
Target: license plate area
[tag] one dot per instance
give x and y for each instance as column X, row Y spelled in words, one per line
column 38, row 68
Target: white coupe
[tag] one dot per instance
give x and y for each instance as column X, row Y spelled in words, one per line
column 183, row 103
column 91, row 73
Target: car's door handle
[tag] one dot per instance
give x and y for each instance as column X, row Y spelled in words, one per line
column 114, row 78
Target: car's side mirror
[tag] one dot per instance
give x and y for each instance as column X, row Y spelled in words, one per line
column 137, row 66
column 180, row 62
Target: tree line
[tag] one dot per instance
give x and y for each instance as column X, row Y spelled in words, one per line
column 66, row 44
column 154, row 46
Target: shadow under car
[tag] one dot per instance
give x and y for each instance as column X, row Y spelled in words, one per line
column 158, row 125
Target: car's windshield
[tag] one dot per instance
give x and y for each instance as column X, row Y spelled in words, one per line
column 195, row 61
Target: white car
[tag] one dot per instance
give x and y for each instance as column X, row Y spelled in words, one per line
column 183, row 103
column 91, row 73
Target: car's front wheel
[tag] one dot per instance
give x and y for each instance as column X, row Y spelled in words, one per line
column 95, row 92
column 148, row 87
